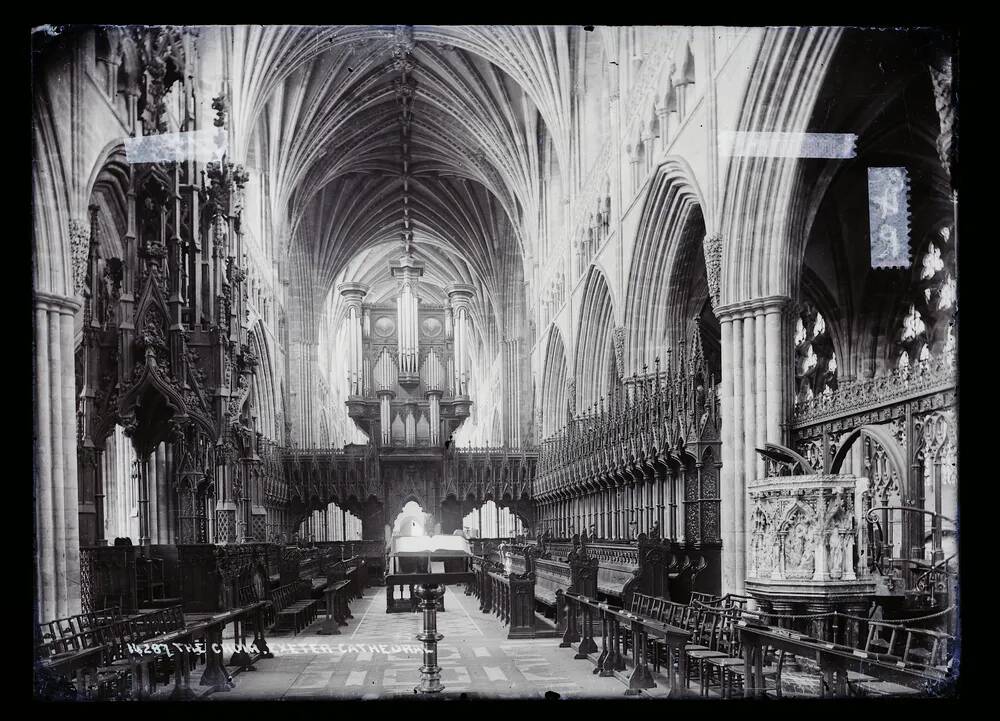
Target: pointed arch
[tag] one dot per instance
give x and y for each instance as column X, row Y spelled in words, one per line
column 667, row 276
column 882, row 436
column 554, row 375
column 594, row 357
column 762, row 235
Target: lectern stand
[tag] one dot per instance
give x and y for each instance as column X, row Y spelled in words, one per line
column 430, row 672
column 429, row 587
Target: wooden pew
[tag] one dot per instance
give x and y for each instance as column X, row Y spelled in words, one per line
column 552, row 580
column 672, row 570
column 610, row 658
column 293, row 606
column 890, row 659
column 616, row 583
column 120, row 652
column 512, row 600
column 836, row 662
column 352, row 570
column 337, row 595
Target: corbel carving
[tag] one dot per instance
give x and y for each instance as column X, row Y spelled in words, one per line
column 712, row 247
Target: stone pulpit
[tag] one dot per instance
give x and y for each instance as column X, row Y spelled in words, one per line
column 803, row 553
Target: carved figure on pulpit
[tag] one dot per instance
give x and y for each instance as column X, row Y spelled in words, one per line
column 654, row 532
column 808, row 560
column 836, row 554
column 795, row 547
column 849, row 561
column 758, row 544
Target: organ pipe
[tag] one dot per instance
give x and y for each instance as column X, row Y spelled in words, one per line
column 353, row 294
column 407, row 272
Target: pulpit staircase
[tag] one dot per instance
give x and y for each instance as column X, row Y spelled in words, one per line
column 919, row 587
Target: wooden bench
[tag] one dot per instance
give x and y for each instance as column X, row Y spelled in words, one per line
column 585, row 613
column 75, row 633
column 499, row 597
column 893, row 643
column 615, row 582
column 337, row 597
column 481, row 585
column 98, row 650
column 353, row 570
column 891, row 659
column 518, row 564
column 294, row 608
column 552, row 580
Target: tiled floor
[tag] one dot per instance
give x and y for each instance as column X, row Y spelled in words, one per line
column 377, row 656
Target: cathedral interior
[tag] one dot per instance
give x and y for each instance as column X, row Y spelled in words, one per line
column 657, row 325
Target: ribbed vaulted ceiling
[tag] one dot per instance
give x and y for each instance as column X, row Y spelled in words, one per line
column 327, row 108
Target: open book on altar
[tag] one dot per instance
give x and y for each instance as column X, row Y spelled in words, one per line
column 433, row 546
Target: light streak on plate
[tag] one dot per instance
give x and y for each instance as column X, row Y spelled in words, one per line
column 201, row 146
column 747, row 144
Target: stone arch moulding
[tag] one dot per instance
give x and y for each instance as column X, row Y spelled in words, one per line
column 786, row 456
column 760, row 203
column 52, row 211
column 112, row 150
column 554, row 375
column 595, row 338
column 672, row 199
column 880, row 435
column 264, row 378
column 795, row 509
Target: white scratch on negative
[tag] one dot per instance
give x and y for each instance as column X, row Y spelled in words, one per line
column 364, row 616
column 474, row 624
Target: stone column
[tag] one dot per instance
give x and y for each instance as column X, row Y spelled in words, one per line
column 615, row 498
column 749, row 427
column 660, row 480
column 754, row 394
column 57, row 529
column 649, row 504
column 164, row 484
column 154, row 499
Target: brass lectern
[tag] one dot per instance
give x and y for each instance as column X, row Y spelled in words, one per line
column 420, row 561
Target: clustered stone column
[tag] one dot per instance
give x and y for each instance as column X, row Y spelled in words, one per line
column 57, row 531
column 756, row 378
